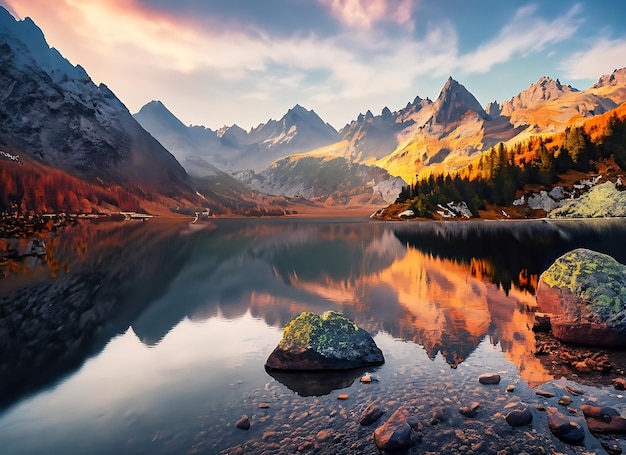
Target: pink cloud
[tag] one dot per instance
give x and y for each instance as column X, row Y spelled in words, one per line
column 365, row 13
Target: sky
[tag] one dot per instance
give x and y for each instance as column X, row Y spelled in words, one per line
column 220, row 62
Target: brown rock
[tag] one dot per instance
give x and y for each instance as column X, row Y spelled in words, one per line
column 603, row 419
column 366, row 378
column 371, row 414
column 395, row 433
column 489, row 378
column 243, row 423
column 343, row 396
column 619, row 383
column 471, row 410
column 519, row 417
column 264, row 405
column 563, row 428
column 565, row 400
column 544, row 393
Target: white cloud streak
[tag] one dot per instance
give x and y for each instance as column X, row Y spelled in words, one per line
column 601, row 58
column 526, row 33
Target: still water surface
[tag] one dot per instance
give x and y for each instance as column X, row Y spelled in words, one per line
column 203, row 308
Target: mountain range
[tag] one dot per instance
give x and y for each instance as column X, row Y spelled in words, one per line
column 54, row 121
column 423, row 137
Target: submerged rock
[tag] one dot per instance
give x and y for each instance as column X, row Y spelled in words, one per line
column 563, row 428
column 395, row 433
column 586, row 291
column 489, row 378
column 327, row 342
column 603, row 419
column 371, row 414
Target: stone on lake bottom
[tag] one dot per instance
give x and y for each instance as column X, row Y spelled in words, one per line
column 471, row 410
column 603, row 419
column 327, row 342
column 563, row 428
column 510, row 388
column 371, row 414
column 343, row 396
column 544, row 393
column 395, row 433
column 264, row 405
column 565, row 400
column 243, row 423
column 489, row 378
column 366, row 378
column 519, row 417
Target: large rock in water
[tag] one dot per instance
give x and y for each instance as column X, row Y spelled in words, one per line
column 586, row 292
column 327, row 342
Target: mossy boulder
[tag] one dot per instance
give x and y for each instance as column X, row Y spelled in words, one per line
column 604, row 200
column 586, row 293
column 327, row 342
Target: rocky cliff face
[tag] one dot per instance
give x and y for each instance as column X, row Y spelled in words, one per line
column 52, row 111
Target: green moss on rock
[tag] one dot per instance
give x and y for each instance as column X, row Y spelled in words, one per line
column 596, row 278
column 329, row 341
column 591, row 289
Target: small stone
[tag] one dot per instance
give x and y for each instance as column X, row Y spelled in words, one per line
column 264, row 405
column 323, row 435
column 574, row 392
column 544, row 393
column 566, row 430
column 395, row 433
column 519, row 417
column 582, row 367
column 471, row 410
column 565, row 400
column 371, row 414
column 305, row 446
column 343, row 396
column 510, row 388
column 437, row 415
column 489, row 378
column 243, row 423
column 603, row 419
column 619, row 383
column 366, row 378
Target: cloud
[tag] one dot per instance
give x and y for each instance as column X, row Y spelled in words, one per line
column 365, row 13
column 601, row 58
column 526, row 33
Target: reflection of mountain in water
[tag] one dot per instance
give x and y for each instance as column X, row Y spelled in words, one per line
column 439, row 285
column 51, row 326
column 512, row 253
column 253, row 266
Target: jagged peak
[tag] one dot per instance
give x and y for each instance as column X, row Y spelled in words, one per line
column 617, row 76
column 454, row 101
column 385, row 112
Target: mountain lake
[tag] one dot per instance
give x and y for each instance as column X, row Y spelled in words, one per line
column 180, row 319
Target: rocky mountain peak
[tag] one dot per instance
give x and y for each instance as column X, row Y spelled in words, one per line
column 543, row 90
column 618, row 76
column 453, row 102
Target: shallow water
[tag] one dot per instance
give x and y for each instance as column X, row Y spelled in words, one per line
column 199, row 310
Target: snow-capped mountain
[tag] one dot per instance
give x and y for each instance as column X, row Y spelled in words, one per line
column 54, row 113
column 232, row 148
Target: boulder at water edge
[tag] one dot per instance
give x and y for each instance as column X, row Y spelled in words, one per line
column 586, row 292
column 326, row 342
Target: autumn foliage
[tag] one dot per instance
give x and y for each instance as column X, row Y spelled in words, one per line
column 500, row 172
column 34, row 187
